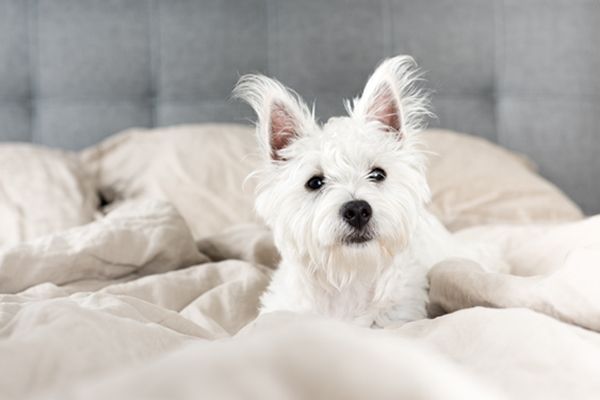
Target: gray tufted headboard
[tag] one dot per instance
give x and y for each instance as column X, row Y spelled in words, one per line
column 524, row 73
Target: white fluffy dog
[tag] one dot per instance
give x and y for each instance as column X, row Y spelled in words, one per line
column 346, row 200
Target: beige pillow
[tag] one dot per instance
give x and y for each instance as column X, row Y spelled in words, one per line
column 475, row 182
column 200, row 169
column 42, row 191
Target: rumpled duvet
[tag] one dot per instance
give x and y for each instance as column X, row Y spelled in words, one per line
column 130, row 307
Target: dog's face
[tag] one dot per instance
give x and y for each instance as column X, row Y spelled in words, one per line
column 345, row 194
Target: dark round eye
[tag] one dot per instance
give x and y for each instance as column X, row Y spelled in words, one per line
column 377, row 175
column 315, row 183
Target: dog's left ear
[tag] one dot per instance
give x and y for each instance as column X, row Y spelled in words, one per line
column 391, row 97
column 282, row 116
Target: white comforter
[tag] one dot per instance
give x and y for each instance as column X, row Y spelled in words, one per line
column 128, row 307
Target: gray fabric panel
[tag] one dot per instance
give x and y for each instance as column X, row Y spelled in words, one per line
column 473, row 114
column 519, row 72
column 551, row 47
column 174, row 112
column 452, row 40
column 15, row 108
column 93, row 73
column 74, row 125
column 549, row 91
column 204, row 46
column 461, row 76
column 15, row 122
column 90, row 49
column 565, row 147
column 14, row 57
column 338, row 41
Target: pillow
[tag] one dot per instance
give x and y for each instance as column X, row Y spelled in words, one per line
column 200, row 169
column 475, row 182
column 42, row 191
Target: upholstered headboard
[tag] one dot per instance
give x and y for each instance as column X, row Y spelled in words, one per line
column 524, row 73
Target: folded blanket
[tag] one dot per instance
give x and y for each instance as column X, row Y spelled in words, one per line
column 562, row 264
column 137, row 239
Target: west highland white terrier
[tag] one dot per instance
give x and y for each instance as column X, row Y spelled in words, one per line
column 346, row 200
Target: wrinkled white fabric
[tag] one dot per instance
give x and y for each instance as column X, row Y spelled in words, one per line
column 42, row 191
column 137, row 239
column 185, row 329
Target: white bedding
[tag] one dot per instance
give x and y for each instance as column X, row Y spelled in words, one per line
column 127, row 308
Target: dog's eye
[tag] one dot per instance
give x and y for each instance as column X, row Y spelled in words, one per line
column 377, row 175
column 315, row 183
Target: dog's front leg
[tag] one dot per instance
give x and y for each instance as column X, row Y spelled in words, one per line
column 407, row 303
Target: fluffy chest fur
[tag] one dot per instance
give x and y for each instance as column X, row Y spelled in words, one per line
column 372, row 294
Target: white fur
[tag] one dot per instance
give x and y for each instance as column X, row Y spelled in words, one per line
column 373, row 283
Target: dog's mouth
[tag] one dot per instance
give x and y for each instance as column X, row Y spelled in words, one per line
column 356, row 238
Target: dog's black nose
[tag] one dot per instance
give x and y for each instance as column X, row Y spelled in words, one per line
column 356, row 213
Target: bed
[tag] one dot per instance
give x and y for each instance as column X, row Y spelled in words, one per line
column 131, row 261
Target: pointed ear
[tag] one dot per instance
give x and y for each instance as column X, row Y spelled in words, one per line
column 391, row 98
column 282, row 116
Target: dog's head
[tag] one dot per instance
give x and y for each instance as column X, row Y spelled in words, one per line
column 349, row 191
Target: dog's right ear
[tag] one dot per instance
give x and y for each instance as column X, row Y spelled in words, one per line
column 282, row 116
column 393, row 99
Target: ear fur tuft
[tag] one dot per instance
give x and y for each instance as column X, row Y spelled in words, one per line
column 392, row 97
column 282, row 114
